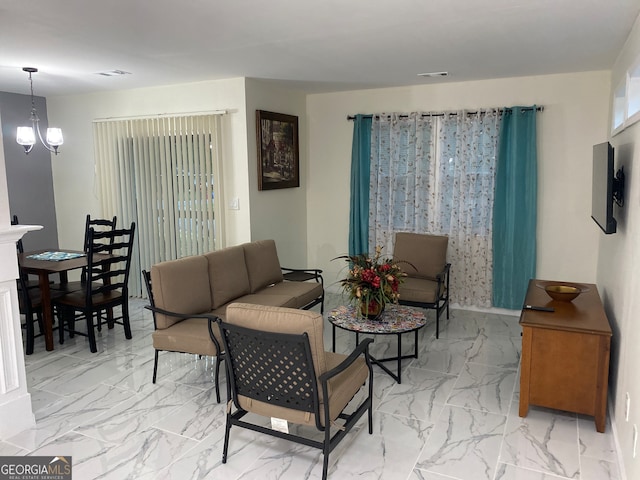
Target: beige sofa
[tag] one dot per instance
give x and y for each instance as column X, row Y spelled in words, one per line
column 185, row 292
column 247, row 273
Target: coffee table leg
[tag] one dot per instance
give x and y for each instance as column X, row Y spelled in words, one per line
column 399, row 358
column 333, row 333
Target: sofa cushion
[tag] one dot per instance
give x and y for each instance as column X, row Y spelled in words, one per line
column 180, row 286
column 262, row 262
column 227, row 275
column 257, row 299
column 303, row 292
column 188, row 336
column 267, row 300
column 427, row 253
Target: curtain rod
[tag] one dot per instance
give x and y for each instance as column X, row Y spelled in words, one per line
column 524, row 109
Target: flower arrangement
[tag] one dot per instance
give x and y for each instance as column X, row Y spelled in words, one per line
column 372, row 282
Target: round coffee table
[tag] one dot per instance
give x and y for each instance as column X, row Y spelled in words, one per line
column 395, row 320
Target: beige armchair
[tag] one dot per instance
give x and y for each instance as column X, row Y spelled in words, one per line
column 424, row 259
column 277, row 367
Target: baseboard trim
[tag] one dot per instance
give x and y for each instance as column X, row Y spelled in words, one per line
column 614, row 431
column 17, row 416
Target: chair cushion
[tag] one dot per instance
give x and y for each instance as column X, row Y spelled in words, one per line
column 181, row 286
column 427, row 253
column 345, row 385
column 189, row 336
column 262, row 262
column 228, row 275
column 419, row 290
column 302, row 292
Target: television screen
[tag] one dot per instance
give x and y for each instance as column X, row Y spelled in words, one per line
column 602, row 190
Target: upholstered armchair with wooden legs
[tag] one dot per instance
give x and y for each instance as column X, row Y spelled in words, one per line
column 424, row 259
column 277, row 367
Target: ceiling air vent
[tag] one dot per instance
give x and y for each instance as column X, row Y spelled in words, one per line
column 113, row 73
column 434, row 74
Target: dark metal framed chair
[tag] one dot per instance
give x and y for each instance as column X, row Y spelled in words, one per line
column 189, row 333
column 108, row 266
column 277, row 367
column 427, row 282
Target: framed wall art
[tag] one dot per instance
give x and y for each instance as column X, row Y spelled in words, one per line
column 278, row 152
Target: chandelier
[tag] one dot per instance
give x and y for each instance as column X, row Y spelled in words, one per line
column 26, row 135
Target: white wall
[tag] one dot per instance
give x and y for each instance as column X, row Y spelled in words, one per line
column 617, row 276
column 73, row 169
column 575, row 118
column 278, row 214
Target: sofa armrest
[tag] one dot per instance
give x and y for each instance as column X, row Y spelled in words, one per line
column 184, row 316
column 302, row 274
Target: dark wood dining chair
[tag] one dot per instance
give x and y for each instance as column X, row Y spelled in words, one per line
column 98, row 224
column 31, row 309
column 108, row 266
column 30, row 305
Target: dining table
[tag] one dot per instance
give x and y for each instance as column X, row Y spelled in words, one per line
column 43, row 263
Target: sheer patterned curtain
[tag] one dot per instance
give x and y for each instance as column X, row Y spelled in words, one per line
column 402, row 177
column 164, row 174
column 468, row 145
column 435, row 174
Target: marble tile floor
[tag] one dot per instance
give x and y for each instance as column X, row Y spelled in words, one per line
column 455, row 415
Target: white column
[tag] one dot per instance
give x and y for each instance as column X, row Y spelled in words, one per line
column 15, row 402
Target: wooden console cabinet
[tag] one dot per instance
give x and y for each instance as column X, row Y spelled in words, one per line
column 565, row 354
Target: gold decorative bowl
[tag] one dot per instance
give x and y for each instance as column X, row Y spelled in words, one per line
column 563, row 293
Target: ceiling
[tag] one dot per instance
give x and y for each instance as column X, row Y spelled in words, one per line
column 320, row 46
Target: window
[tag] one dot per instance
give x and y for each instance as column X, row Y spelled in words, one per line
column 163, row 174
column 435, row 174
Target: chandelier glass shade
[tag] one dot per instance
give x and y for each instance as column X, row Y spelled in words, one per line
column 26, row 136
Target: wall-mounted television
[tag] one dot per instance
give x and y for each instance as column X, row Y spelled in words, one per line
column 607, row 187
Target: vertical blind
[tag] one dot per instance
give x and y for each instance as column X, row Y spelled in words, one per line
column 163, row 173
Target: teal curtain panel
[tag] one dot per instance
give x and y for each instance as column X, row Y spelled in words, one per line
column 515, row 208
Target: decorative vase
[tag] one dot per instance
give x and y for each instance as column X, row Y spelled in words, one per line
column 372, row 310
